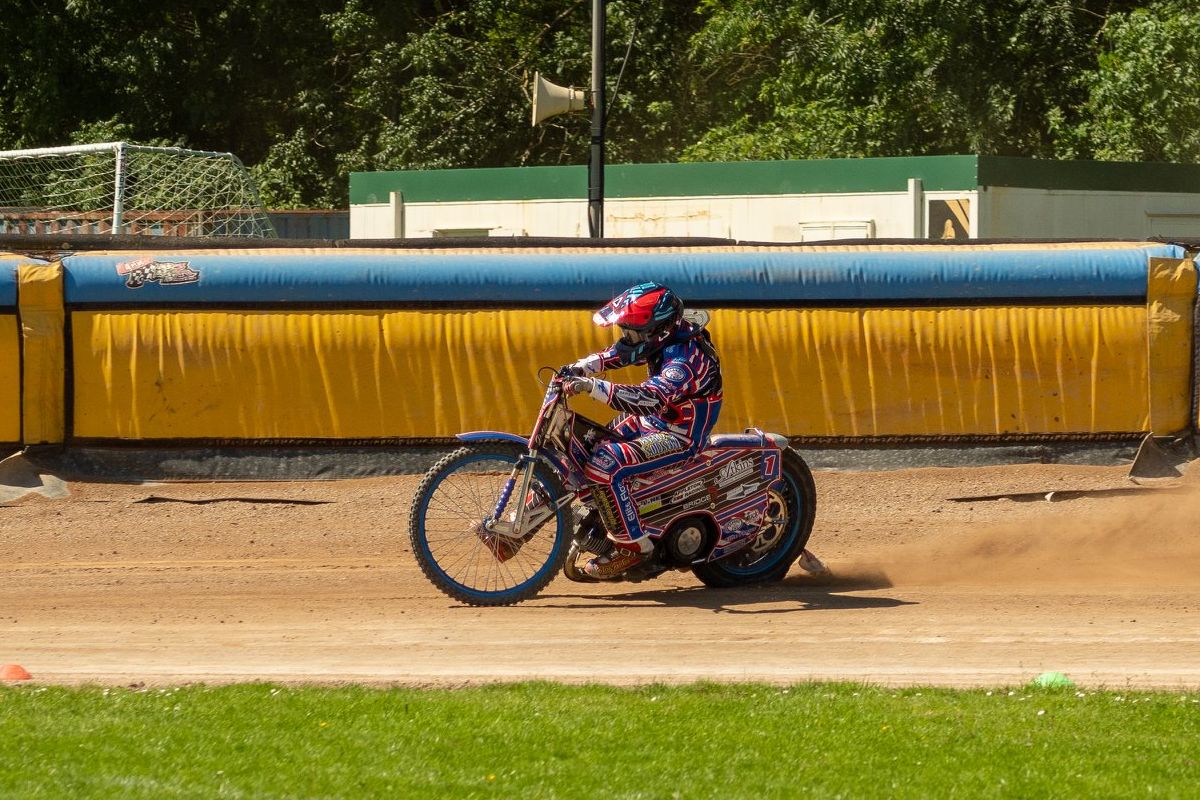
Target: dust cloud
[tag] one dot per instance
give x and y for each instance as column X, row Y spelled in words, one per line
column 1147, row 540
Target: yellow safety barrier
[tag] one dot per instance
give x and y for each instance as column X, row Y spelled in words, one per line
column 319, row 375
column 40, row 300
column 10, row 379
column 803, row 372
column 935, row 372
column 1170, row 306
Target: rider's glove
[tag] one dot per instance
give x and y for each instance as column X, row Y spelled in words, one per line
column 577, row 385
column 588, row 365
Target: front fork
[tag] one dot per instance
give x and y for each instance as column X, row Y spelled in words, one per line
column 522, row 475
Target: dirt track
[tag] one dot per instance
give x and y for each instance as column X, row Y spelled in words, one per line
column 109, row 587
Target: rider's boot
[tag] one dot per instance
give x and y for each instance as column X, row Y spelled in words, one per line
column 619, row 516
column 616, row 562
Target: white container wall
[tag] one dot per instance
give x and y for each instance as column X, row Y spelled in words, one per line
column 936, row 197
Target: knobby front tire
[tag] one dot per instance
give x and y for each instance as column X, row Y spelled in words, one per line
column 461, row 490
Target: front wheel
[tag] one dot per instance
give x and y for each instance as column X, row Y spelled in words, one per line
column 791, row 510
column 454, row 551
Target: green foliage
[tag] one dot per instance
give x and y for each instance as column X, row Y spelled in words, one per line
column 1143, row 100
column 305, row 93
column 839, row 78
column 105, row 130
column 457, row 94
column 543, row 740
column 242, row 76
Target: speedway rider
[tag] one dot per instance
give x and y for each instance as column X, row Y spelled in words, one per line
column 666, row 419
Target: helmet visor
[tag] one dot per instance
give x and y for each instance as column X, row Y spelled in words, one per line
column 631, row 337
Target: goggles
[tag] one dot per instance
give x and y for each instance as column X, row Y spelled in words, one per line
column 630, row 336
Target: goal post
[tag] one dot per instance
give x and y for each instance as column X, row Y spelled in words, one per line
column 122, row 188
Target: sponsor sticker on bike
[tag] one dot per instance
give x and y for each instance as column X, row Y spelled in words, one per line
column 679, row 495
column 654, row 505
column 735, row 471
column 743, row 525
column 604, row 462
column 740, row 491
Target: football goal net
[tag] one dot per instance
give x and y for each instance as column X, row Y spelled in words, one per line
column 120, row 188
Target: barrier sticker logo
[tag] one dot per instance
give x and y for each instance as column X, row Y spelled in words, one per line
column 149, row 270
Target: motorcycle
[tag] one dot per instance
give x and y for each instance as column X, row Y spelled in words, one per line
column 493, row 522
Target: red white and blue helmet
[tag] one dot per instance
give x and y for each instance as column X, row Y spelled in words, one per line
column 647, row 315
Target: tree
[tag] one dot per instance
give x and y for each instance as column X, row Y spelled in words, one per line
column 1143, row 96
column 838, row 78
column 456, row 94
column 306, row 93
column 259, row 78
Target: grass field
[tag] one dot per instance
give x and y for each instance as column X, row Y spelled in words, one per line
column 552, row 741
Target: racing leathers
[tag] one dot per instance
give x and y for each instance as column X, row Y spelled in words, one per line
column 665, row 420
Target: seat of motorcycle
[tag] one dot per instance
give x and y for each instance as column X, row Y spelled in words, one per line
column 735, row 440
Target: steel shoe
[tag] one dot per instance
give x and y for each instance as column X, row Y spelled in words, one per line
column 809, row 562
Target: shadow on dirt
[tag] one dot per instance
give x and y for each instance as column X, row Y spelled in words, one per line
column 280, row 501
column 798, row 592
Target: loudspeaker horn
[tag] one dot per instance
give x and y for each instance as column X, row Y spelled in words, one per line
column 550, row 99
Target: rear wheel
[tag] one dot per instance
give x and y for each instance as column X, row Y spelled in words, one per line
column 791, row 510
column 454, row 551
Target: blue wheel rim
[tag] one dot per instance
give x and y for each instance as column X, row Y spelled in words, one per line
column 783, row 548
column 484, row 562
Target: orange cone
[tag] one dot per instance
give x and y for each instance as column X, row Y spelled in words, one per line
column 14, row 672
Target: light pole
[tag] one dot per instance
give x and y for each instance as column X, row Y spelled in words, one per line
column 596, row 155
